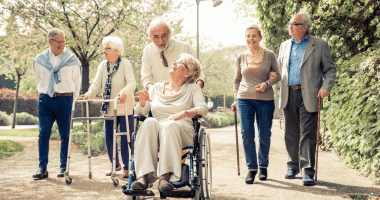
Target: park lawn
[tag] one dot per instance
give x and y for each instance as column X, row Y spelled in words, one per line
column 30, row 132
column 9, row 148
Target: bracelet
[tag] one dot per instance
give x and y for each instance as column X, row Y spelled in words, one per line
column 267, row 84
column 185, row 113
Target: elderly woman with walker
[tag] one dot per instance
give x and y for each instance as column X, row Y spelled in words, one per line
column 115, row 78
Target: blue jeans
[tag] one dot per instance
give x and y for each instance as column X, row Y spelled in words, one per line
column 49, row 110
column 264, row 110
column 108, row 130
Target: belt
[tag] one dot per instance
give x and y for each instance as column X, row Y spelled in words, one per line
column 63, row 94
column 295, row 87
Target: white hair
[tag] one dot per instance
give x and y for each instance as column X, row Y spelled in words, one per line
column 306, row 19
column 156, row 23
column 193, row 65
column 54, row 32
column 115, row 43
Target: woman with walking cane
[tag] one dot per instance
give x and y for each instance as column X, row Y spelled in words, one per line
column 255, row 72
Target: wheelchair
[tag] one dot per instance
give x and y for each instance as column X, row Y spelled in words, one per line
column 196, row 179
column 115, row 181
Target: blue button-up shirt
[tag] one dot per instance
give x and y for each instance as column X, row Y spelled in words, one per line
column 295, row 61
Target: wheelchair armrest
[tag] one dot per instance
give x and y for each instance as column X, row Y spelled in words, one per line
column 139, row 117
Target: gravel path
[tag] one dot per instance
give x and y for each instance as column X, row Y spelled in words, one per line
column 334, row 180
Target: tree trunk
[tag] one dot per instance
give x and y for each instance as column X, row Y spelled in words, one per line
column 15, row 103
column 85, row 76
column 85, row 83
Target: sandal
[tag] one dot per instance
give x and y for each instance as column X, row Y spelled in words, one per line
column 164, row 185
column 140, row 184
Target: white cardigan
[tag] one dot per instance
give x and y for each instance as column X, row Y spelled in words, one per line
column 123, row 80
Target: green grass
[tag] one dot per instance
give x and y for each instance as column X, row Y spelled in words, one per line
column 30, row 132
column 9, row 148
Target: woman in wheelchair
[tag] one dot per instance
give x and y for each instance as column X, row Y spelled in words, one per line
column 172, row 104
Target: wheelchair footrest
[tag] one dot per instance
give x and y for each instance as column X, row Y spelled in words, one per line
column 131, row 192
column 178, row 193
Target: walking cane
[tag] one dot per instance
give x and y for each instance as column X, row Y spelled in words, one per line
column 319, row 113
column 237, row 145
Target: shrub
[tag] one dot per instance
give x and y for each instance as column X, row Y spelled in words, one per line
column 9, row 148
column 4, row 119
column 24, row 118
column 97, row 138
column 353, row 114
column 218, row 119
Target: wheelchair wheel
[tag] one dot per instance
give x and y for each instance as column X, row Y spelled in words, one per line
column 207, row 166
column 199, row 194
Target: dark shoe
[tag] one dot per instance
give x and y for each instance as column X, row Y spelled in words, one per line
column 125, row 174
column 263, row 174
column 61, row 172
column 41, row 173
column 140, row 184
column 308, row 180
column 110, row 171
column 164, row 185
column 291, row 174
column 250, row 177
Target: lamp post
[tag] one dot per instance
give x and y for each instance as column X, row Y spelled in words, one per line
column 215, row 3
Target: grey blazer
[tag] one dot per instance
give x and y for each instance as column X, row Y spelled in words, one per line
column 316, row 63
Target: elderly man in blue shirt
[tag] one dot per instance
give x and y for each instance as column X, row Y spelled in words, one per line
column 308, row 73
column 58, row 79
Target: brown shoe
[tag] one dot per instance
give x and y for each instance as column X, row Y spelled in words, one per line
column 110, row 171
column 164, row 185
column 140, row 184
column 126, row 174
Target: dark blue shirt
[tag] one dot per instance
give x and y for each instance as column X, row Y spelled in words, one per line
column 295, row 61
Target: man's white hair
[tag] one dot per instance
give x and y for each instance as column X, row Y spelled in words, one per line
column 115, row 43
column 156, row 23
column 54, row 32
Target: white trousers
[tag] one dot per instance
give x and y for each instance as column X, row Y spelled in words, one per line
column 169, row 138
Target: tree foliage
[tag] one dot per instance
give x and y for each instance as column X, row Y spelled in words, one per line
column 87, row 22
column 349, row 26
column 219, row 72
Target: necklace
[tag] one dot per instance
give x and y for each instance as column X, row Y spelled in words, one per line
column 252, row 54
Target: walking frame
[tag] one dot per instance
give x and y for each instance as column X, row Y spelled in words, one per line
column 115, row 181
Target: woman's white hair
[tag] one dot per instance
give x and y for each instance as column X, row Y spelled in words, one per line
column 193, row 65
column 54, row 32
column 115, row 43
column 156, row 23
column 306, row 19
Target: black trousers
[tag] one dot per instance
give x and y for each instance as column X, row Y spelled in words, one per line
column 300, row 134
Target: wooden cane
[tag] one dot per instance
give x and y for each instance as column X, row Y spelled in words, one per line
column 316, row 161
column 237, row 145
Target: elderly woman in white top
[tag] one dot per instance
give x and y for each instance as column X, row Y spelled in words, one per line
column 173, row 104
column 115, row 78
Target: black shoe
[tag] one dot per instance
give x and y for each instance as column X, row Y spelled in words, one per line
column 41, row 173
column 250, row 177
column 263, row 174
column 308, row 180
column 61, row 172
column 291, row 174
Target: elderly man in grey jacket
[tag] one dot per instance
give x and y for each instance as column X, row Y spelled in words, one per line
column 308, row 73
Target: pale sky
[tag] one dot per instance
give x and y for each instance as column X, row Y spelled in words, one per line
column 217, row 23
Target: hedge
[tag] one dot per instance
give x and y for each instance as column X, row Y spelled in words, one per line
column 29, row 103
column 353, row 114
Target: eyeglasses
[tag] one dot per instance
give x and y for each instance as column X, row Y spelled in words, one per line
column 107, row 48
column 59, row 42
column 164, row 61
column 179, row 62
column 294, row 24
